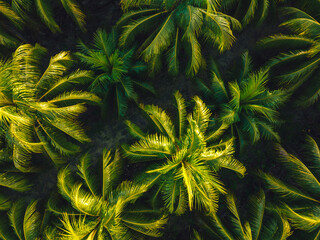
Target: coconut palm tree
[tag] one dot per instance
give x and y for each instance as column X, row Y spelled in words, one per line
column 245, row 103
column 261, row 222
column 115, row 71
column 186, row 165
column 300, row 197
column 299, row 61
column 102, row 206
column 174, row 29
column 39, row 109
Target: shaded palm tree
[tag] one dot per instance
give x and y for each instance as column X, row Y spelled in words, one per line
column 300, row 197
column 11, row 25
column 17, row 15
column 102, row 207
column 44, row 8
column 175, row 28
column 245, row 103
column 185, row 172
column 299, row 61
column 24, row 222
column 115, row 71
column 39, row 109
column 260, row 221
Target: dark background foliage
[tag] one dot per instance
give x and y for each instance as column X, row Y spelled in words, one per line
column 110, row 133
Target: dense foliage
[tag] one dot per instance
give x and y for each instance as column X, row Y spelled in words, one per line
column 245, row 104
column 87, row 151
column 188, row 175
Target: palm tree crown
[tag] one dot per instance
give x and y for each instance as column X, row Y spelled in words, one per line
column 300, row 198
column 115, row 70
column 103, row 206
column 37, row 113
column 246, row 104
column 261, row 222
column 186, row 166
column 301, row 61
column 176, row 26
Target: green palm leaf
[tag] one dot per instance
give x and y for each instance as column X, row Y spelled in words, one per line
column 73, row 9
column 46, row 14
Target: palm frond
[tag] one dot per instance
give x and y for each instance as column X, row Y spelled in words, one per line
column 135, row 130
column 250, row 13
column 111, row 171
column 58, row 140
column 64, row 83
column 307, row 222
column 15, row 181
column 264, row 11
column 162, row 40
column 5, row 202
column 285, row 191
column 181, row 112
column 149, row 227
column 286, row 41
column 312, row 149
column 135, row 27
column 218, row 30
column 246, row 66
column 299, row 171
column 75, row 227
column 194, row 51
column 172, row 56
column 201, row 114
column 73, row 129
column 11, row 15
column 58, row 66
column 231, row 164
column 221, row 228
column 217, row 133
column 160, row 119
column 235, row 219
column 31, row 221
column 85, row 202
column 46, row 13
column 86, row 174
column 16, row 217
column 74, row 97
column 154, row 145
column 268, row 132
column 257, row 207
column 174, row 196
column 73, row 9
column 5, row 229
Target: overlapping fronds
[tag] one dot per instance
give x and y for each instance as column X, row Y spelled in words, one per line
column 25, row 220
column 39, row 110
column 114, row 70
column 250, row 11
column 187, row 174
column 170, row 24
column 255, row 222
column 304, row 187
column 103, row 209
column 246, row 105
column 299, row 60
